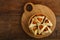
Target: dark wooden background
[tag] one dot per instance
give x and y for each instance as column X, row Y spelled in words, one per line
column 10, row 19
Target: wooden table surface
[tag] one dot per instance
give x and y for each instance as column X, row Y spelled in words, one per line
column 10, row 19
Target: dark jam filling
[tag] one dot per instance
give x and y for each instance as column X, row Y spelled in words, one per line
column 43, row 20
column 46, row 21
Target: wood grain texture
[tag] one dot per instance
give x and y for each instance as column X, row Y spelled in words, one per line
column 10, row 19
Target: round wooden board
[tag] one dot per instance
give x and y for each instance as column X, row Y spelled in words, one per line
column 37, row 9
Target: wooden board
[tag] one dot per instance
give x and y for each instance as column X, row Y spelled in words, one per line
column 36, row 9
column 10, row 19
